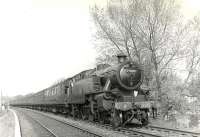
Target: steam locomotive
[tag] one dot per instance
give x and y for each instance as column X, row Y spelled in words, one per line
column 107, row 94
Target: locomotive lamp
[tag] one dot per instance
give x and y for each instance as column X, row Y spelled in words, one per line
column 135, row 93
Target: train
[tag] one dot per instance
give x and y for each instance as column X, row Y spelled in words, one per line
column 108, row 94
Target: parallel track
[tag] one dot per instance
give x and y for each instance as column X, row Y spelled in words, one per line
column 128, row 132
column 84, row 130
column 148, row 131
column 160, row 131
column 42, row 125
column 177, row 131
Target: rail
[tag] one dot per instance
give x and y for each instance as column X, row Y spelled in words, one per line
column 182, row 132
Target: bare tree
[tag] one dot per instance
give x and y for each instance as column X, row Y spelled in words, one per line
column 193, row 49
column 149, row 31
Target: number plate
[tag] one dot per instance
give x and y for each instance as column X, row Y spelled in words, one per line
column 144, row 104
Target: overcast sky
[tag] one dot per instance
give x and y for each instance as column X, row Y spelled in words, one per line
column 42, row 41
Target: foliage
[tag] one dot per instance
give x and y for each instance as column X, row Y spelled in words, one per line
column 148, row 31
column 153, row 33
column 194, row 121
column 194, row 86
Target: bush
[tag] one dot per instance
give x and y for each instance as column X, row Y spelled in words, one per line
column 194, row 120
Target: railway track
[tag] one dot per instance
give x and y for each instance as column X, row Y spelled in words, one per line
column 82, row 130
column 124, row 131
column 149, row 131
column 152, row 131
column 175, row 131
column 129, row 131
column 164, row 132
column 51, row 133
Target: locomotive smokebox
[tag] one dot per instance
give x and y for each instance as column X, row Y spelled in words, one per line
column 129, row 75
column 126, row 75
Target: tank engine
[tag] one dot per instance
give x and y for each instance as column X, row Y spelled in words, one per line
column 111, row 94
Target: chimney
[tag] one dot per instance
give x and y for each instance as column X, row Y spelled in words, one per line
column 121, row 58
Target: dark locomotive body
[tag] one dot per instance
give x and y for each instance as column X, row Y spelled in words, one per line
column 109, row 94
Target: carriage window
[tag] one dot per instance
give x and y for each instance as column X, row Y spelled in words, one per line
column 68, row 92
column 71, row 84
column 56, row 90
column 66, row 89
column 47, row 93
column 52, row 92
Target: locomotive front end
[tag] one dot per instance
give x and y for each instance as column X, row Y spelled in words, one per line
column 122, row 95
column 131, row 106
column 129, row 75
